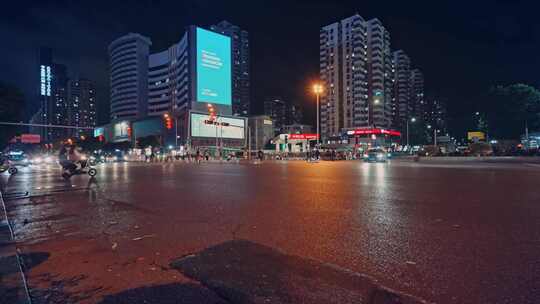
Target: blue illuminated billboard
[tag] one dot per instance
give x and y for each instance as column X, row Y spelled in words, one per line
column 99, row 132
column 213, row 67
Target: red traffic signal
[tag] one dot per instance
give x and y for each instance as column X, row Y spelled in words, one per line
column 168, row 121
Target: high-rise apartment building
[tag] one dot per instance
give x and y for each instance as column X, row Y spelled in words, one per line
column 402, row 88
column 417, row 103
column 343, row 71
column 366, row 84
column 240, row 66
column 380, row 75
column 168, row 79
column 58, row 105
column 81, row 109
column 128, row 57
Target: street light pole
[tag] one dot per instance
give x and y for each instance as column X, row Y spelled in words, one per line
column 407, row 133
column 318, row 122
column 318, row 89
column 412, row 120
column 176, row 132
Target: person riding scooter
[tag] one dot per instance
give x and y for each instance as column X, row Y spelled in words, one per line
column 73, row 162
column 63, row 159
column 71, row 159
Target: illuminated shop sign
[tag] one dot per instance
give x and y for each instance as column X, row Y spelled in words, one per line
column 373, row 131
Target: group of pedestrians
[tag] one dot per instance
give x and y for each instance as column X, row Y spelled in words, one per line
column 313, row 155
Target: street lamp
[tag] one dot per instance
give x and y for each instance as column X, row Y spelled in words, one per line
column 412, row 120
column 318, row 90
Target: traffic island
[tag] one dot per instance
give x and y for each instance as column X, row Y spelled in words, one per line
column 244, row 272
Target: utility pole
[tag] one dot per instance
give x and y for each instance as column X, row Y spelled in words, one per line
column 176, row 131
column 527, row 134
column 249, row 142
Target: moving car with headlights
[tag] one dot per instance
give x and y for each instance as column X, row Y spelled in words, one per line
column 376, row 155
column 43, row 159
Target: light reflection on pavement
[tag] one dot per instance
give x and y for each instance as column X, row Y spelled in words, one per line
column 451, row 233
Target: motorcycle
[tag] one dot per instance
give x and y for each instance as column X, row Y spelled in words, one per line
column 78, row 168
column 6, row 165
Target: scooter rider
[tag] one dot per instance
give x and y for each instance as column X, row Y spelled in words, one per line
column 64, row 160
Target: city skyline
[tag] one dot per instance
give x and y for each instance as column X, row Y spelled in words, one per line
column 483, row 42
column 306, row 151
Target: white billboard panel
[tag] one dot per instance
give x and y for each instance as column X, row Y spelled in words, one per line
column 235, row 129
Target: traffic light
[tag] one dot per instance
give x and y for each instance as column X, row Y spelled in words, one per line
column 168, row 121
column 211, row 112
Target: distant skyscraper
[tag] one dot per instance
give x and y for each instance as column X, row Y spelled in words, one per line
column 435, row 114
column 294, row 114
column 417, row 104
column 276, row 109
column 402, row 88
column 380, row 76
column 44, row 85
column 57, row 110
column 128, row 59
column 343, row 69
column 52, row 93
column 240, row 68
column 81, row 110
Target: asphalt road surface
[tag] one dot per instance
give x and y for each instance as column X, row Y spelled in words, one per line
column 446, row 232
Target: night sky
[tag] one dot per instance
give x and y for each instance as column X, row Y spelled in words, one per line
column 463, row 47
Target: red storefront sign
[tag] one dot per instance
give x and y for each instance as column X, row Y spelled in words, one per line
column 30, row 138
column 374, row 131
column 303, row 136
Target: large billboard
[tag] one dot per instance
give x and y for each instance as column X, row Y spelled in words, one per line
column 235, row 129
column 476, row 136
column 121, row 131
column 213, row 67
column 148, row 127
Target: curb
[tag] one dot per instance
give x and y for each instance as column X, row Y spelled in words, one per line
column 8, row 249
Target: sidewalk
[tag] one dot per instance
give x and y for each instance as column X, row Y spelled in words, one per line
column 12, row 285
